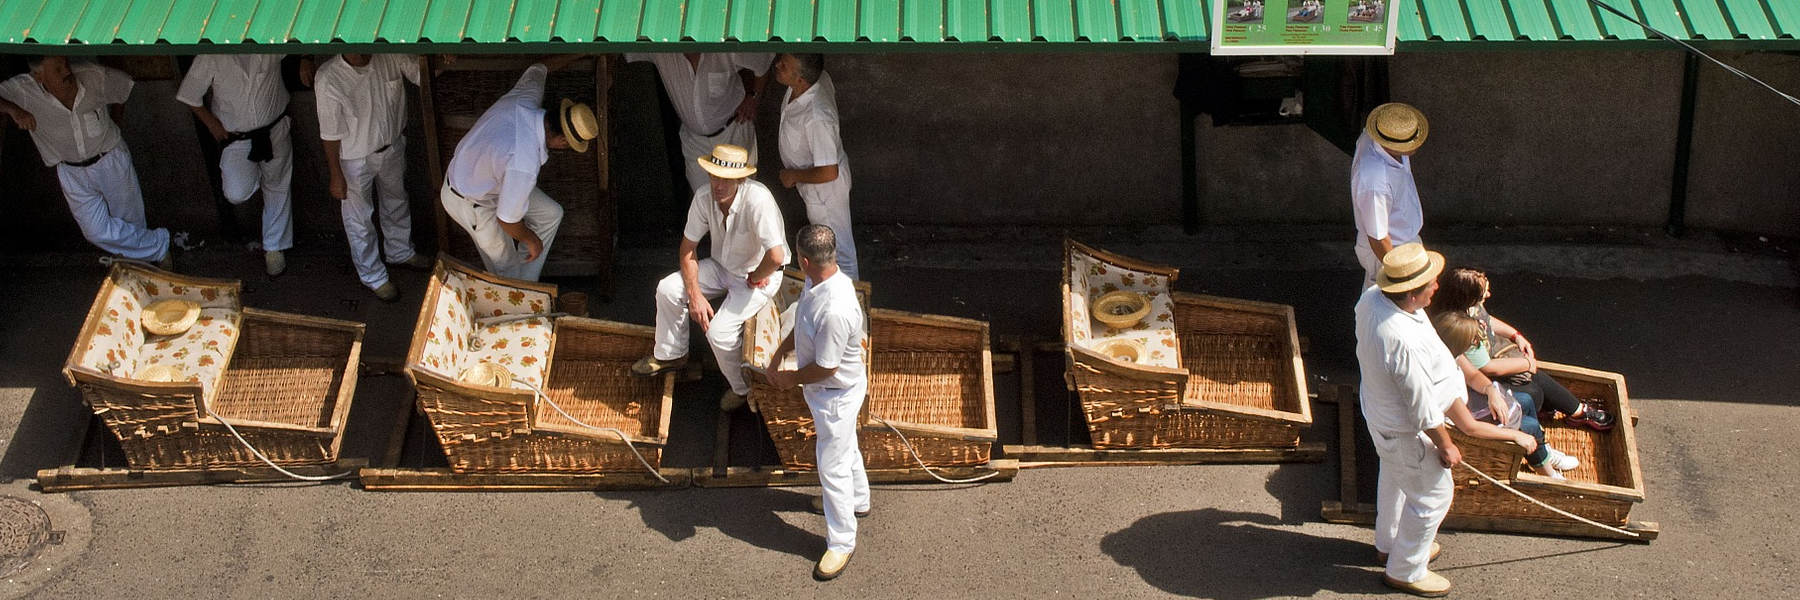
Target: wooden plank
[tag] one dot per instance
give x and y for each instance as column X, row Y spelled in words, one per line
column 1048, row 456
column 1364, row 514
column 445, row 480
column 1005, row 362
column 397, row 436
column 69, row 479
column 434, row 153
column 737, row 477
column 1027, row 395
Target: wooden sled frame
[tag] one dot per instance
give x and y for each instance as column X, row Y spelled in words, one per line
column 1350, row 511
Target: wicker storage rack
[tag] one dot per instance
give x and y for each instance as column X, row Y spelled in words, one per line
column 930, row 377
column 1605, row 487
column 286, row 383
column 586, row 371
column 1219, row 372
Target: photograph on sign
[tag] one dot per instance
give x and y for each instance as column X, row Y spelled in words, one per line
column 1241, row 27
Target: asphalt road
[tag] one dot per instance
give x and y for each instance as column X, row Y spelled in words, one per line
column 1710, row 363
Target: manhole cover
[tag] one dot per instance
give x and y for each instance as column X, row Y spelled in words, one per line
column 24, row 529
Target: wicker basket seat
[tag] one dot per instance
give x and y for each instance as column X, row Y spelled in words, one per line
column 929, row 376
column 1605, row 487
column 582, row 365
column 284, row 381
column 1212, row 372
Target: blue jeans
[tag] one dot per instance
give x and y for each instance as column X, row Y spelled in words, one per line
column 1528, row 423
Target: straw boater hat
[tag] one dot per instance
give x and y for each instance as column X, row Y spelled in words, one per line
column 728, row 162
column 579, row 124
column 170, row 317
column 1407, row 267
column 160, row 374
column 1398, row 127
column 488, row 374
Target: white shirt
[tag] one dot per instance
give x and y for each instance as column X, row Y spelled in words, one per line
column 363, row 108
column 247, row 90
column 1383, row 194
column 740, row 239
column 809, row 138
column 1409, row 377
column 497, row 162
column 706, row 96
column 72, row 135
column 828, row 332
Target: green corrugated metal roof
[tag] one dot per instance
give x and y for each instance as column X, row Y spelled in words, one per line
column 100, row 26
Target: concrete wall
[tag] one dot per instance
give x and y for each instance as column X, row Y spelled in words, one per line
column 1517, row 138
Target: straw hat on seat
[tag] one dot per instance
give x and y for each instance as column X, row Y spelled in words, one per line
column 488, row 374
column 170, row 317
column 160, row 374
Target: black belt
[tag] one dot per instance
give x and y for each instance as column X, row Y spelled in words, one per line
column 722, row 129
column 261, row 149
column 384, row 148
column 83, row 163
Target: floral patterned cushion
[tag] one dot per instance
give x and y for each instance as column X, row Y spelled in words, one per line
column 200, row 353
column 523, row 347
column 1156, row 331
column 447, row 336
column 490, row 299
column 114, row 345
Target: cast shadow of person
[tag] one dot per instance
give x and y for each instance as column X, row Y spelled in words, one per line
column 748, row 515
column 1235, row 555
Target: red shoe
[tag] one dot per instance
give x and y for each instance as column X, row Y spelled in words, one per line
column 1592, row 417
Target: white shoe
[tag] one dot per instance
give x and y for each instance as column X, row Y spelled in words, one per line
column 1559, row 461
column 275, row 262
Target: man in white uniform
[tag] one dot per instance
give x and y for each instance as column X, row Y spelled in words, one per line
column 66, row 109
column 812, row 152
column 361, row 99
column 749, row 245
column 490, row 186
column 247, row 115
column 827, row 345
column 1382, row 193
column 1410, row 386
column 715, row 95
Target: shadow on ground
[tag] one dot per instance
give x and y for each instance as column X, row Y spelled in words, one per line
column 1236, row 555
column 748, row 515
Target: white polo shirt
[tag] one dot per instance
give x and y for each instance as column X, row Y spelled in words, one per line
column 496, row 163
column 247, row 90
column 1383, row 194
column 363, row 108
column 740, row 239
column 828, row 332
column 706, row 96
column 72, row 135
column 809, row 138
column 1409, row 377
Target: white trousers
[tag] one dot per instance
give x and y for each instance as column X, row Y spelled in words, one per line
column 842, row 481
column 1366, row 257
column 725, row 332
column 694, row 145
column 500, row 255
column 241, row 179
column 105, row 200
column 835, row 213
column 383, row 173
column 1412, row 496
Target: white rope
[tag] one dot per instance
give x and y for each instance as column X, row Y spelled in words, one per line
column 614, row 430
column 1690, row 48
column 265, row 459
column 921, row 461
column 1552, row 508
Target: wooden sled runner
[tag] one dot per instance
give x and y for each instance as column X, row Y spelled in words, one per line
column 1190, row 379
column 1604, row 489
column 284, row 382
column 508, row 436
column 930, row 380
